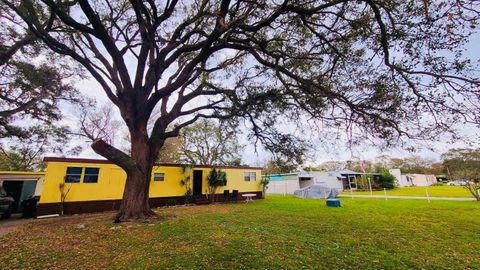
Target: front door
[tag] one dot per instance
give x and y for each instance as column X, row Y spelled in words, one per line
column 197, row 182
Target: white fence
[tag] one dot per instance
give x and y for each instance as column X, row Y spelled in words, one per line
column 283, row 187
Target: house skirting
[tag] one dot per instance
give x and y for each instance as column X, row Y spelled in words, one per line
column 79, row 207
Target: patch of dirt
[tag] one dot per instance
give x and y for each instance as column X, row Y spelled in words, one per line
column 81, row 221
column 11, row 224
column 77, row 234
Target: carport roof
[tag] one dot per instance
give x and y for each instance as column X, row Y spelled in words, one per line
column 20, row 175
column 22, row 172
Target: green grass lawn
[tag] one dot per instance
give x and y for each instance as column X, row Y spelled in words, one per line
column 433, row 191
column 276, row 233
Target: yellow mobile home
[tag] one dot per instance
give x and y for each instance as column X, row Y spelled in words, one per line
column 90, row 185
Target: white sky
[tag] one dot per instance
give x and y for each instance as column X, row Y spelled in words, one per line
column 335, row 150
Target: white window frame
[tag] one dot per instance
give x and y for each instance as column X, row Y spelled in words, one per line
column 249, row 176
column 154, row 177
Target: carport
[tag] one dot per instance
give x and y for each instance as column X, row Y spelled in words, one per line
column 22, row 185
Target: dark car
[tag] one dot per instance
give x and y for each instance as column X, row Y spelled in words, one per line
column 6, row 204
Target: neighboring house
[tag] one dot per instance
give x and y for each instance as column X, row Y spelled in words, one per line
column 413, row 179
column 341, row 180
column 94, row 185
column 288, row 183
column 419, row 180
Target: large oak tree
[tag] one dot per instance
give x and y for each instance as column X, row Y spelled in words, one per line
column 33, row 80
column 387, row 68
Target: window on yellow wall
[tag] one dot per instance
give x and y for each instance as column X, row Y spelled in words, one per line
column 159, row 177
column 91, row 175
column 74, row 174
column 250, row 176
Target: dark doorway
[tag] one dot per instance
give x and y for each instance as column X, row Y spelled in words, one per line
column 349, row 181
column 197, row 182
column 14, row 189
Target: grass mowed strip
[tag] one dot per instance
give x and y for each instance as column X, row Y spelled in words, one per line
column 279, row 232
column 433, row 191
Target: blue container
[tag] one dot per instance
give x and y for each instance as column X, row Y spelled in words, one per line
column 333, row 202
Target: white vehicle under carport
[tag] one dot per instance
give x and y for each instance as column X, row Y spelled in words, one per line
column 6, row 204
column 317, row 192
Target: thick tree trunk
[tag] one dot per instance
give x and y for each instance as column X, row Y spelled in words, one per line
column 135, row 201
column 138, row 166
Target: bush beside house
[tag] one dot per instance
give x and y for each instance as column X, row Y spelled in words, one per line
column 216, row 178
column 384, row 179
